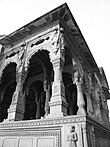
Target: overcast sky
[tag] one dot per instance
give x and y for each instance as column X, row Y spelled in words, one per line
column 92, row 17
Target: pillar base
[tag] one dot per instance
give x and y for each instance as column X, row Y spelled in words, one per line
column 58, row 108
column 15, row 112
column 81, row 112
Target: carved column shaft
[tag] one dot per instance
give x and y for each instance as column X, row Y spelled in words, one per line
column 16, row 110
column 47, row 109
column 58, row 105
column 80, row 97
column 80, row 100
column 38, row 112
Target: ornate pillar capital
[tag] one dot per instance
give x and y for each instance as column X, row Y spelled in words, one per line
column 58, row 45
column 20, row 77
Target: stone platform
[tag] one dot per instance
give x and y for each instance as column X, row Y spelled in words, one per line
column 54, row 132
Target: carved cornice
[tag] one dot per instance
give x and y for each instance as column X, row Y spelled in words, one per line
column 42, row 122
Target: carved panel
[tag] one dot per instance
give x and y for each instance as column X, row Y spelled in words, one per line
column 25, row 142
column 46, row 142
column 32, row 138
column 9, row 142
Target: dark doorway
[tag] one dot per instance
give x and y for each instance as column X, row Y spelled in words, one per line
column 35, row 101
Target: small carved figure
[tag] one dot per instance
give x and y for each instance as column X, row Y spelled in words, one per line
column 93, row 139
column 77, row 78
column 72, row 138
column 21, row 55
column 55, row 41
column 62, row 43
column 20, row 60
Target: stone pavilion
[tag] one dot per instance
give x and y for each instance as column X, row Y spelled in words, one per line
column 52, row 93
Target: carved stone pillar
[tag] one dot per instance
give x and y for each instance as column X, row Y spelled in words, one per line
column 38, row 112
column 80, row 100
column 58, row 105
column 47, row 89
column 80, row 96
column 16, row 110
column 85, row 138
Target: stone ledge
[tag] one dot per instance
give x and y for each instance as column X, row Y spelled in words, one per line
column 42, row 122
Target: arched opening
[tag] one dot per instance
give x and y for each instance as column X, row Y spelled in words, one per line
column 71, row 94
column 70, row 88
column 35, row 101
column 36, row 85
column 7, row 88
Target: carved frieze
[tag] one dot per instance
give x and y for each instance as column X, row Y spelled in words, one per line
column 44, row 122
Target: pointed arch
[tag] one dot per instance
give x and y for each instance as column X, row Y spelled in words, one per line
column 7, row 88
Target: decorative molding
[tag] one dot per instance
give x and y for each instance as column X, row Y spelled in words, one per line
column 42, row 122
column 57, row 103
column 50, row 133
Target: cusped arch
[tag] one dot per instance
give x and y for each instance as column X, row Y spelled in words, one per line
column 6, row 65
column 39, row 60
column 32, row 54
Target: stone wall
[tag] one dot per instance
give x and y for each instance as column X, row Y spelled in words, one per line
column 54, row 133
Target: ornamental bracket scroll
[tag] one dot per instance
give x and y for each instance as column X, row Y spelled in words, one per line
column 57, row 42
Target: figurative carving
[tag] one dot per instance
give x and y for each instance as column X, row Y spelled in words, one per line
column 72, row 138
column 20, row 60
column 55, row 41
column 93, row 139
column 21, row 57
column 62, row 41
column 77, row 78
column 77, row 72
column 58, row 41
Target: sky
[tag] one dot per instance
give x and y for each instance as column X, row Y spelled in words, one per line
column 92, row 17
